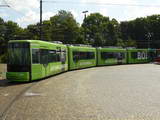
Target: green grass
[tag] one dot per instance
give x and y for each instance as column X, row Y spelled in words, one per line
column 0, row 74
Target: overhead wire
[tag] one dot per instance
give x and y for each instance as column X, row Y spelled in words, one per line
column 101, row 4
column 88, row 3
column 4, row 4
column 10, row 6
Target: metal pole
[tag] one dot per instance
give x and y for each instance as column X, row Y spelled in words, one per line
column 40, row 19
column 85, row 27
column 149, row 39
column 148, row 42
column 85, row 34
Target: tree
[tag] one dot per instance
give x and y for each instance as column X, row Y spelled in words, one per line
column 113, row 32
column 145, row 31
column 8, row 31
column 2, row 34
column 126, row 43
column 46, row 30
column 32, row 32
column 64, row 28
column 100, row 30
column 13, row 31
column 134, row 30
column 153, row 26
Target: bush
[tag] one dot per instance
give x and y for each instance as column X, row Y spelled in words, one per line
column 3, row 58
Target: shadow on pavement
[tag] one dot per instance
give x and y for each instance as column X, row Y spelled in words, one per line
column 6, row 83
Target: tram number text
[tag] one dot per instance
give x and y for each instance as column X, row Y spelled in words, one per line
column 142, row 55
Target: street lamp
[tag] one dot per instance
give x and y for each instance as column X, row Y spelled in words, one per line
column 149, row 36
column 84, row 12
column 40, row 19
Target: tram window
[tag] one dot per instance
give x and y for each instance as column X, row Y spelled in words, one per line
column 47, row 56
column 158, row 53
column 83, row 55
column 58, row 55
column 19, row 54
column 52, row 56
column 63, row 56
column 90, row 55
column 104, row 55
column 75, row 56
column 134, row 55
column 44, row 56
column 35, row 56
column 112, row 55
column 120, row 55
column 107, row 55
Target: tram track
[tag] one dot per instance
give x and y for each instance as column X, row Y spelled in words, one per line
column 3, row 115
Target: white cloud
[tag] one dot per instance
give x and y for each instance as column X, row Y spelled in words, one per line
column 30, row 10
column 108, row 10
column 104, row 11
column 122, row 13
column 140, row 12
column 47, row 15
column 32, row 17
column 4, row 14
column 25, row 9
column 75, row 13
column 23, row 4
column 110, row 1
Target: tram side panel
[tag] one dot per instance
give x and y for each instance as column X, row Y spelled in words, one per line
column 52, row 59
column 81, row 57
column 152, row 54
column 111, row 56
column 137, row 56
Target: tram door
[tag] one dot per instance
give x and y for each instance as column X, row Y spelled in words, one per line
column 45, row 62
column 120, row 58
column 63, row 59
column 36, row 66
column 40, row 63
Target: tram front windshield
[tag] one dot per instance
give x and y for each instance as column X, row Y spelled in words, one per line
column 18, row 57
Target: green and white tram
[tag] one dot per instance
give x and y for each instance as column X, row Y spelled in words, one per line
column 32, row 59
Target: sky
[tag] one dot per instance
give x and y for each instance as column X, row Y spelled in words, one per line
column 26, row 12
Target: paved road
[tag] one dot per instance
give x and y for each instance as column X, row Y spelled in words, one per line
column 127, row 92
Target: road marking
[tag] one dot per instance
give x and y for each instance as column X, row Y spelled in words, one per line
column 30, row 94
column 6, row 94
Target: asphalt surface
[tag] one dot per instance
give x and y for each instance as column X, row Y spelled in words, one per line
column 126, row 92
